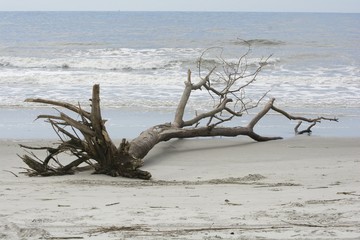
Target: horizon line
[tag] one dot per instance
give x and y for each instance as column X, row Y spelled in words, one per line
column 182, row 11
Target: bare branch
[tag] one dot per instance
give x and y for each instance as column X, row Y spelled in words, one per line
column 179, row 114
column 291, row 117
column 207, row 114
column 81, row 127
column 60, row 104
column 261, row 114
column 308, row 130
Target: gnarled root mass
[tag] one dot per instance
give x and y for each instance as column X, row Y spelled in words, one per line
column 95, row 144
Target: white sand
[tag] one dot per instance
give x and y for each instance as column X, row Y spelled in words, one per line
column 300, row 188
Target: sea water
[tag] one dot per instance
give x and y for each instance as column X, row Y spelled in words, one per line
column 140, row 60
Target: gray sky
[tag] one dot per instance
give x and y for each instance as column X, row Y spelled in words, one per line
column 183, row 5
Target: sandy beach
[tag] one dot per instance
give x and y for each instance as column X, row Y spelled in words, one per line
column 298, row 188
column 302, row 187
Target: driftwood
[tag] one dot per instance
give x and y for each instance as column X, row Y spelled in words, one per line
column 86, row 138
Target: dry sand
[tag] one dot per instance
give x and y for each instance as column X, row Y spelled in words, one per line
column 299, row 188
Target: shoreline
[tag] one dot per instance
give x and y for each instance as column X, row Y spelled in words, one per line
column 297, row 188
column 125, row 123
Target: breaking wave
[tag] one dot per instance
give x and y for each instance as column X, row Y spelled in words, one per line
column 123, row 59
column 259, row 42
column 153, row 78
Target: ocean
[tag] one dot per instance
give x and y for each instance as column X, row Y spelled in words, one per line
column 140, row 60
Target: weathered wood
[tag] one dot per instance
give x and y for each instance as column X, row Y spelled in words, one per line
column 307, row 130
column 189, row 87
column 66, row 105
column 95, row 117
column 33, row 164
column 85, row 130
column 179, row 114
column 214, row 111
column 95, row 143
column 261, row 114
column 73, row 164
column 291, row 117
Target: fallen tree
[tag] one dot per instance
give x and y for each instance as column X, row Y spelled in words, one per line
column 86, row 139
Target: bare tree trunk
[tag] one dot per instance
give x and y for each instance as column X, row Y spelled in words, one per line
column 126, row 159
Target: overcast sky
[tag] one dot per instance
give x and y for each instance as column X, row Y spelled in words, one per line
column 183, row 5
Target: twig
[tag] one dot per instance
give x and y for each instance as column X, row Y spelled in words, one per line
column 304, row 224
column 60, row 238
column 308, row 130
column 11, row 173
column 184, row 230
column 348, row 193
column 111, row 204
column 318, row 225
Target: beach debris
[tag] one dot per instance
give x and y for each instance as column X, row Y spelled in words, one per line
column 11, row 173
column 227, row 202
column 84, row 137
column 102, row 230
column 63, row 238
column 352, row 193
column 112, row 204
column 63, row 205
